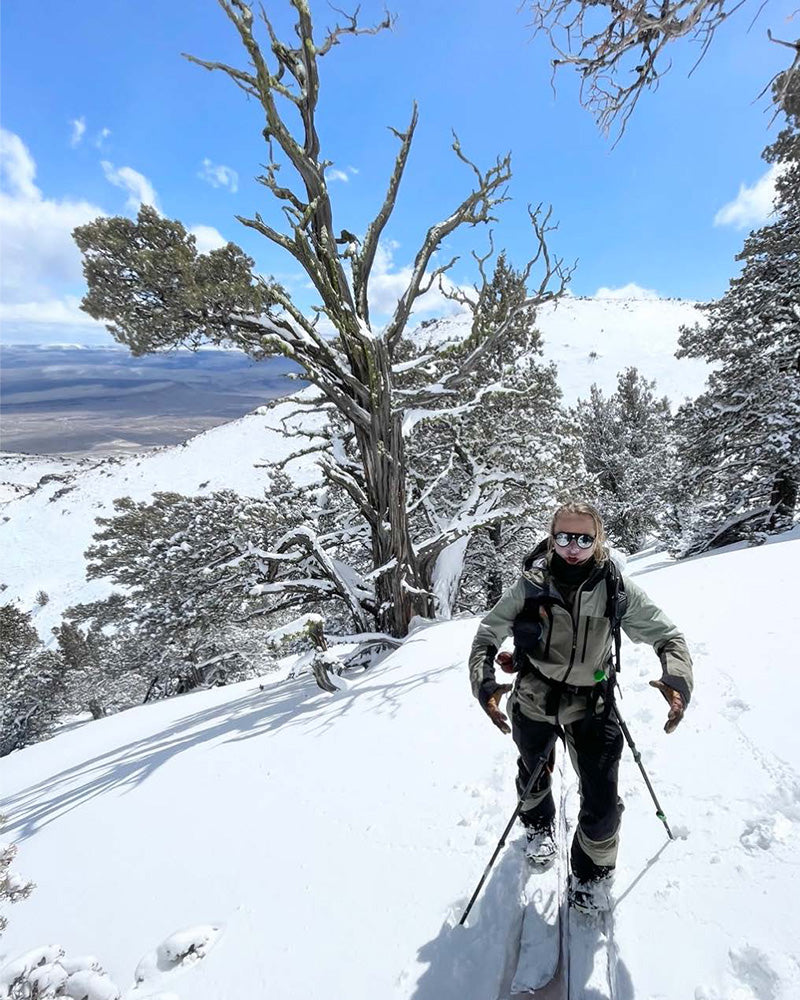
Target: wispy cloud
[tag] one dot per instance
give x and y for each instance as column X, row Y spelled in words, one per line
column 101, row 137
column 78, row 130
column 753, row 205
column 208, row 238
column 218, row 175
column 629, row 291
column 139, row 188
column 52, row 312
column 334, row 174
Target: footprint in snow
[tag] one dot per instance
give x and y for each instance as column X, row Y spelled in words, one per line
column 734, row 708
column 762, row 834
column 754, row 972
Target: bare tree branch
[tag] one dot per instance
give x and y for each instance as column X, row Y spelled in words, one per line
column 617, row 46
column 362, row 264
column 475, row 208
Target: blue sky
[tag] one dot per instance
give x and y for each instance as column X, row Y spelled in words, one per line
column 101, row 111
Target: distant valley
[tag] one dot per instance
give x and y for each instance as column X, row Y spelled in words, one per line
column 83, row 400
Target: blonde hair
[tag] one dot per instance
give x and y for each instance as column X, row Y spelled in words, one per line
column 583, row 509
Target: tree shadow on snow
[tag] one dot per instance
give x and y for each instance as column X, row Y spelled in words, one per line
column 257, row 714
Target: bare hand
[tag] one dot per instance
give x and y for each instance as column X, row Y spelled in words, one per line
column 493, row 710
column 676, row 705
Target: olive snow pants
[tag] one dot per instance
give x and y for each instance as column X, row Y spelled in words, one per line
column 595, row 748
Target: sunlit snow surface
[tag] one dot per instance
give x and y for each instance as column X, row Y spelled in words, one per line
column 44, row 534
column 327, row 844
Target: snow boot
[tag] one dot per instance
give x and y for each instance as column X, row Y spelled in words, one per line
column 592, row 897
column 540, row 849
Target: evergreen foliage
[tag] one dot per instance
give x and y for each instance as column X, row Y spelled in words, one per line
column 147, row 281
column 626, row 444
column 32, row 682
column 206, row 578
column 741, row 437
column 488, row 460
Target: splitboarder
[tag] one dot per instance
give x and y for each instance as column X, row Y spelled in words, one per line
column 562, row 613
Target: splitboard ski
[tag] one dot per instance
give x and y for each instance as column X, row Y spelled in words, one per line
column 588, row 939
column 540, row 958
column 539, row 947
column 588, row 955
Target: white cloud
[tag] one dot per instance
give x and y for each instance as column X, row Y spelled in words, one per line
column 39, row 253
column 17, row 168
column 629, row 291
column 218, row 175
column 41, row 280
column 208, row 238
column 139, row 188
column 334, row 174
column 753, row 205
column 78, row 128
column 101, row 137
column 388, row 284
column 53, row 312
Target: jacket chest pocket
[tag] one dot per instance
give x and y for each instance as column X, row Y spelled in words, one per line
column 593, row 637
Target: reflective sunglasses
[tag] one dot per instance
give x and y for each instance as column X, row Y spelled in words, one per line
column 563, row 538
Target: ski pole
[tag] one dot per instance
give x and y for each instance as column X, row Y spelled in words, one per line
column 638, row 758
column 542, row 760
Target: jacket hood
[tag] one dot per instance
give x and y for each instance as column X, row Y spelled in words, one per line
column 534, row 565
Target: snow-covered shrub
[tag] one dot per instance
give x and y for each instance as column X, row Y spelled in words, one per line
column 305, row 637
column 47, row 973
column 205, row 579
column 13, row 887
column 32, row 682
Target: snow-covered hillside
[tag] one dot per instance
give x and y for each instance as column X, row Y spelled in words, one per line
column 318, row 845
column 44, row 532
column 592, row 340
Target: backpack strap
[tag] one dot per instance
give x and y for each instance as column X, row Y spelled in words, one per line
column 615, row 610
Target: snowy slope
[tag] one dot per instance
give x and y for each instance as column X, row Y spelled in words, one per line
column 44, row 533
column 591, row 340
column 334, row 840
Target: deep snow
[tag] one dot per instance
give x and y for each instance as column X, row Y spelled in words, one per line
column 333, row 840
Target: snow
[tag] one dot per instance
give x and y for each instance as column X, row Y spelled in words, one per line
column 45, row 530
column 591, row 340
column 326, row 845
column 44, row 534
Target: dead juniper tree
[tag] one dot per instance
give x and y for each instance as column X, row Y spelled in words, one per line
column 147, row 281
column 617, row 47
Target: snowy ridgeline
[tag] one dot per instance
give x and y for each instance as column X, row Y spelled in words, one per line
column 326, row 845
column 45, row 531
